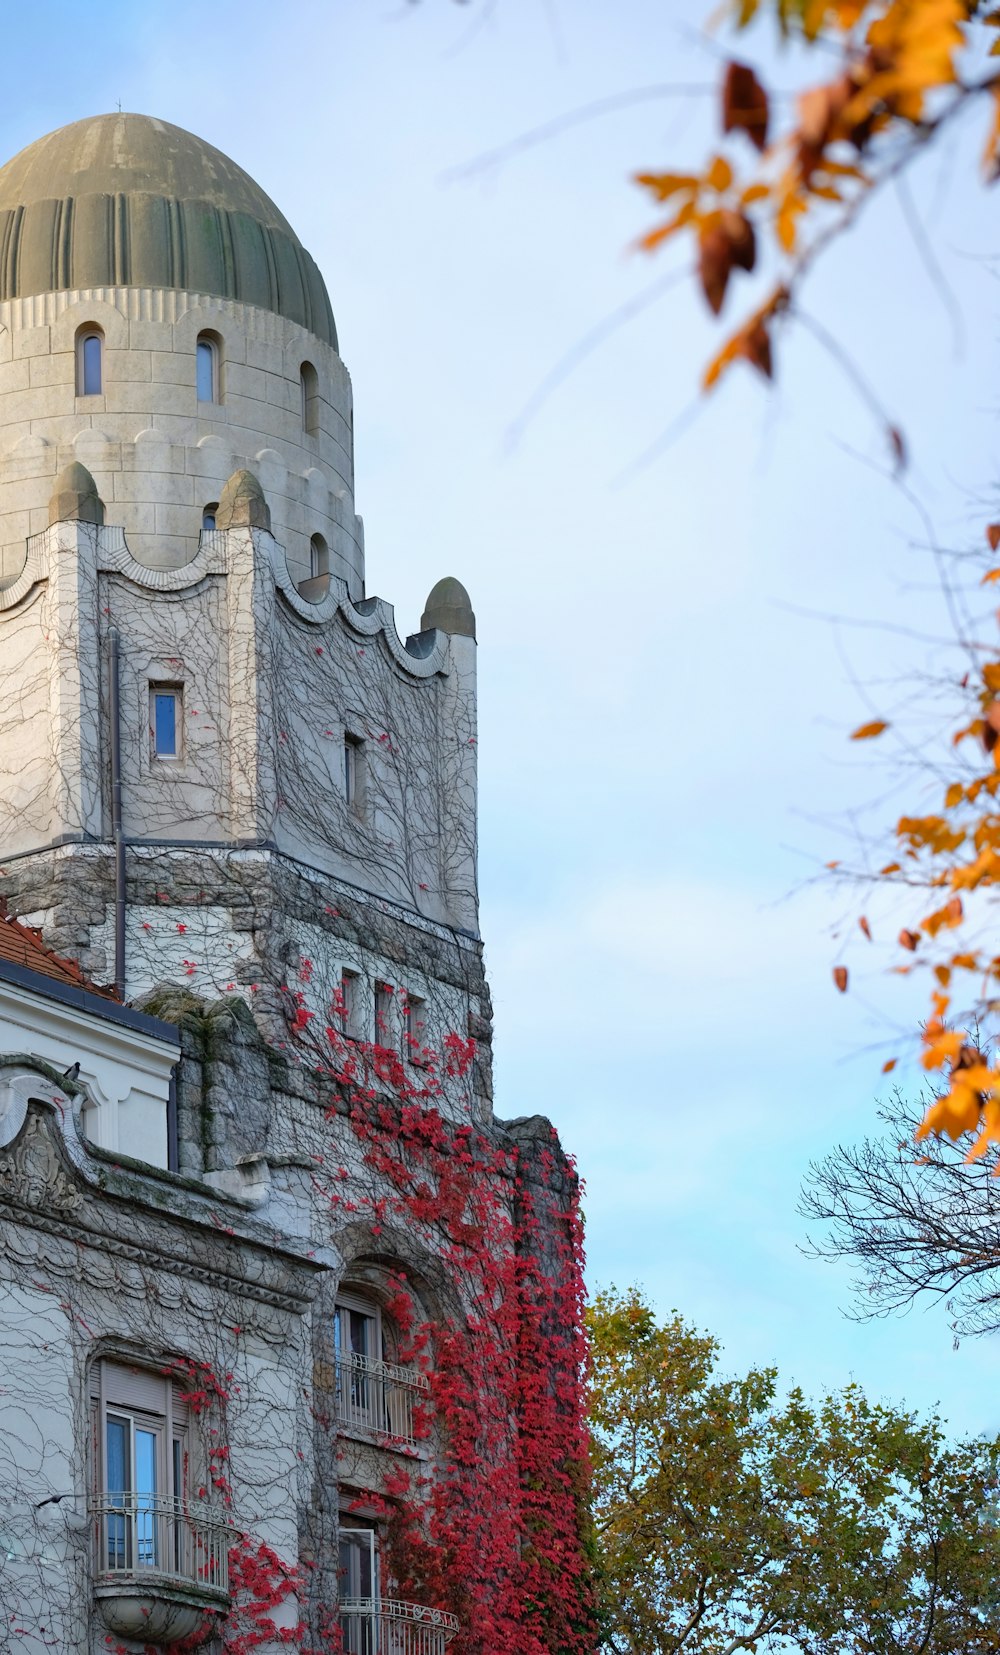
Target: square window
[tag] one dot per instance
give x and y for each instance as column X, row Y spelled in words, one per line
column 165, row 720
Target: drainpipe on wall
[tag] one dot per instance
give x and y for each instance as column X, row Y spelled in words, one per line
column 116, row 811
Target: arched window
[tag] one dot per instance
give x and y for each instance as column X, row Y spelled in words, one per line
column 207, row 368
column 374, row 1393
column 208, row 514
column 309, row 380
column 319, row 557
column 89, row 361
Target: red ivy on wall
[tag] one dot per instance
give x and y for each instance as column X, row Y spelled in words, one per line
column 496, row 1533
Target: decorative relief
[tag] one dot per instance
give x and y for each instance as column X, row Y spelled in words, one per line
column 32, row 1173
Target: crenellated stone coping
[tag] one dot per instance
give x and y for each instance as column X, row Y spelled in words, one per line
column 114, row 557
column 368, row 618
column 31, row 577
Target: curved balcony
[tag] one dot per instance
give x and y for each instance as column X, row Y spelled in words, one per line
column 384, row 1626
column 161, row 1565
column 377, row 1399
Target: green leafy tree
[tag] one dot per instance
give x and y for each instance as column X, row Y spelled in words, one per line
column 729, row 1520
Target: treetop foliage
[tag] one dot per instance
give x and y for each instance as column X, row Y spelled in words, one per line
column 730, row 1519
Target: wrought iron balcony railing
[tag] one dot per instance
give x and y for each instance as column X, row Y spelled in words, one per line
column 378, row 1398
column 145, row 1535
column 383, row 1626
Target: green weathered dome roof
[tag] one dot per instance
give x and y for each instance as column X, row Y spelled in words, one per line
column 130, row 201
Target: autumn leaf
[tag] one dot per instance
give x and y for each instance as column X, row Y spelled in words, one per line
column 865, row 732
column 719, row 175
column 888, row 1067
column 993, row 535
column 840, row 977
column 865, row 927
column 744, row 104
column 909, row 939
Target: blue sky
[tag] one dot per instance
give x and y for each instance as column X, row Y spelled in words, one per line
column 663, row 763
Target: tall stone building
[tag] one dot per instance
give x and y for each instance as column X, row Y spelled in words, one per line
column 289, row 1322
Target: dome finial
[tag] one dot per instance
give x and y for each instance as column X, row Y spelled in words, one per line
column 242, row 504
column 449, row 608
column 75, row 498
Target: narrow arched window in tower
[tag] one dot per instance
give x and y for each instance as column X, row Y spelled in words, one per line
column 89, row 362
column 309, row 380
column 208, row 515
column 207, row 368
column 319, row 557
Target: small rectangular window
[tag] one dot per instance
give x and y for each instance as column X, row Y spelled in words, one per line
column 353, row 772
column 415, row 1042
column 165, row 708
column 350, row 1004
column 383, row 1014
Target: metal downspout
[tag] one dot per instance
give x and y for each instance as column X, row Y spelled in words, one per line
column 116, row 811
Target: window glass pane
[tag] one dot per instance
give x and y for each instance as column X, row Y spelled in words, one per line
column 208, row 518
column 91, row 366
column 165, row 724
column 145, row 1488
column 118, row 1457
column 206, row 371
column 350, row 772
column 362, row 1327
column 145, row 1462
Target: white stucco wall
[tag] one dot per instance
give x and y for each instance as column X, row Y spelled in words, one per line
column 124, row 1076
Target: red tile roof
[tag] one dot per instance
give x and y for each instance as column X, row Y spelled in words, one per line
column 22, row 945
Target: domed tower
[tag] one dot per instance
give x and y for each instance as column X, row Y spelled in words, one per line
column 220, row 765
column 164, row 325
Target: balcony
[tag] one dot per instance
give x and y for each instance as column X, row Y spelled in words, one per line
column 382, row 1626
column 161, row 1565
column 378, row 1399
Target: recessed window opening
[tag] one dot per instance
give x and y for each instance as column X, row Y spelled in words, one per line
column 353, row 772
column 383, row 1014
column 139, row 1426
column 207, row 368
column 89, row 362
column 415, row 1041
column 166, row 720
column 358, row 1584
column 350, row 1004
column 208, row 514
column 309, row 387
column 319, row 556
column 373, row 1391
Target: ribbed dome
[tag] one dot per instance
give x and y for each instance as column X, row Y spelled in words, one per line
column 130, row 201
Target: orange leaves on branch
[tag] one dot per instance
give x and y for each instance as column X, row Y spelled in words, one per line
column 866, row 929
column 949, row 916
column 726, row 241
column 909, row 939
column 840, row 977
column 865, row 732
column 750, row 343
column 744, row 104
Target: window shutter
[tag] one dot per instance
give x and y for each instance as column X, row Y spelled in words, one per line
column 135, row 1388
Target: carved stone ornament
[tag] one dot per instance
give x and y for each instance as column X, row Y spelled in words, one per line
column 31, row 1170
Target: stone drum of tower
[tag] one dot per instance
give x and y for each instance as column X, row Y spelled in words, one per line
column 162, row 325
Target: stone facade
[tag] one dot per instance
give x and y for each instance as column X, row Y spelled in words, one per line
column 269, row 1263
